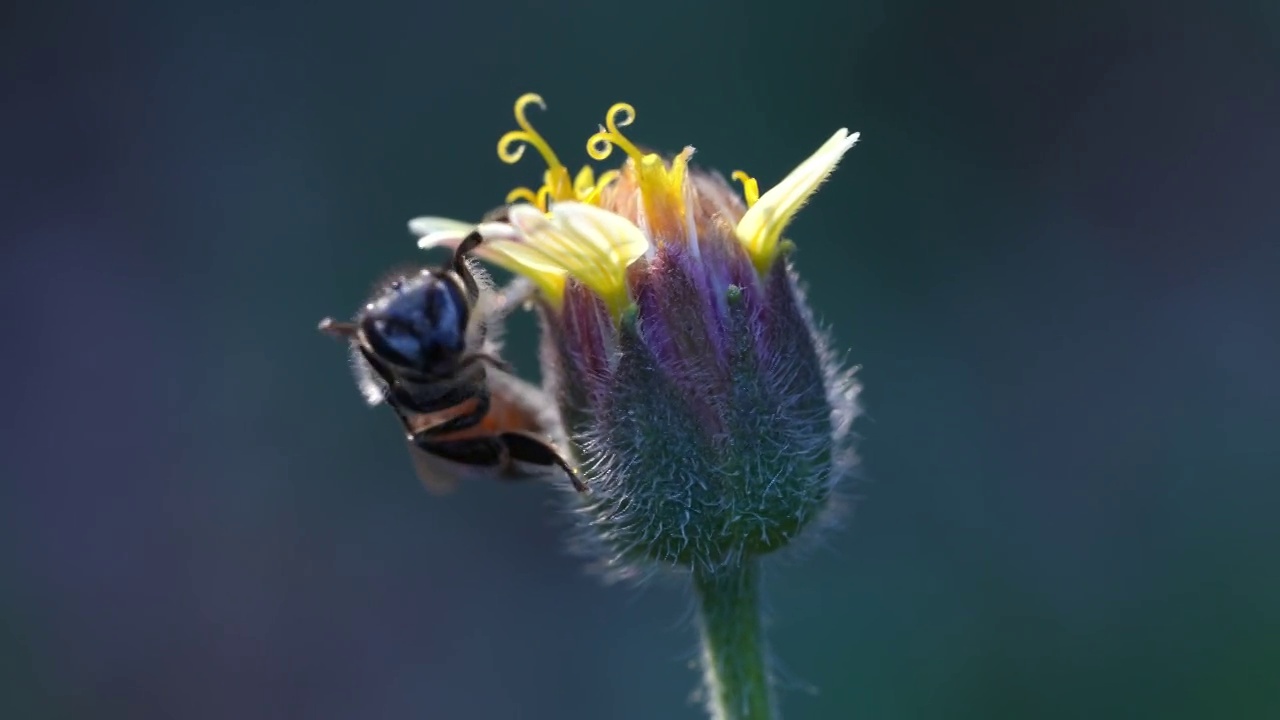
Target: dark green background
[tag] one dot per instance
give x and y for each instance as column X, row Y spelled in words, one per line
column 1054, row 254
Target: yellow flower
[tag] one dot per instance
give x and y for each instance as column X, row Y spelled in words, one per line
column 760, row 229
column 682, row 372
column 592, row 229
column 709, row 416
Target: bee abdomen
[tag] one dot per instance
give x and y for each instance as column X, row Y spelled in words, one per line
column 440, row 394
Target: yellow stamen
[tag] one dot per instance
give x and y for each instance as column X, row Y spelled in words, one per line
column 587, row 188
column 522, row 193
column 585, row 181
column 661, row 187
column 557, row 185
column 662, row 190
column 600, row 145
column 593, row 195
column 750, row 188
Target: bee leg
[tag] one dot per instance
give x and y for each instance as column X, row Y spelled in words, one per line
column 527, row 448
column 498, row 452
column 459, row 263
column 477, row 452
column 491, row 360
column 516, row 293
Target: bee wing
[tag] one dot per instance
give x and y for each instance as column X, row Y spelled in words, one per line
column 438, row 476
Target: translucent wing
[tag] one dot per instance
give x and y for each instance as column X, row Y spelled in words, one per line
column 438, row 476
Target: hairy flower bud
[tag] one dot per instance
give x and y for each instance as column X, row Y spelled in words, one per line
column 708, row 415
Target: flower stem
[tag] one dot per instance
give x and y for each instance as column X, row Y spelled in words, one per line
column 735, row 668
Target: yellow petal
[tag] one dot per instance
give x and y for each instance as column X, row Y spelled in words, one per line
column 518, row 257
column 503, row 246
column 760, row 229
column 423, row 226
column 593, row 246
column 442, row 232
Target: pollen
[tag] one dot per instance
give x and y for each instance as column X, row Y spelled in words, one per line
column 760, row 229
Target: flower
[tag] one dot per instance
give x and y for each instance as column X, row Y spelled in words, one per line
column 709, row 416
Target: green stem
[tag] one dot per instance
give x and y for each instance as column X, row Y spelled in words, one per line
column 735, row 669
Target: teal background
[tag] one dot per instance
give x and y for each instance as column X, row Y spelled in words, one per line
column 1054, row 254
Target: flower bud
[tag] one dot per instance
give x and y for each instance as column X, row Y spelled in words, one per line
column 710, row 419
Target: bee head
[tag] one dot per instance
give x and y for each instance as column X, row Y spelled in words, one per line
column 418, row 323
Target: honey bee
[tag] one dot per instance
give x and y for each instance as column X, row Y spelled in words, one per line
column 422, row 346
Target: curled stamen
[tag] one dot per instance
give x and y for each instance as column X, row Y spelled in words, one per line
column 585, row 181
column 522, row 193
column 600, row 145
column 511, row 145
column 606, row 178
column 587, row 187
column 750, row 188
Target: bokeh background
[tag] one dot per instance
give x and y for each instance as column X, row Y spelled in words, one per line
column 1054, row 254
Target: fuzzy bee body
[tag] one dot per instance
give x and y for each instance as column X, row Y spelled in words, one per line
column 422, row 347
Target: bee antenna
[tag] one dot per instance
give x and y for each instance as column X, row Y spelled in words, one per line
column 329, row 326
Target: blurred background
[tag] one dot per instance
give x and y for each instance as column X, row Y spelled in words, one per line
column 1054, row 254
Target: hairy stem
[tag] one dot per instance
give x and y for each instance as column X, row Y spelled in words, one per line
column 735, row 667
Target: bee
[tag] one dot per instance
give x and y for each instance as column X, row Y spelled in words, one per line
column 422, row 346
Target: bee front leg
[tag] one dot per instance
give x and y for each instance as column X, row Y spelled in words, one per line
column 459, row 263
column 516, row 293
column 491, row 360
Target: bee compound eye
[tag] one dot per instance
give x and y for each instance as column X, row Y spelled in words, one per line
column 394, row 339
column 422, row 327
